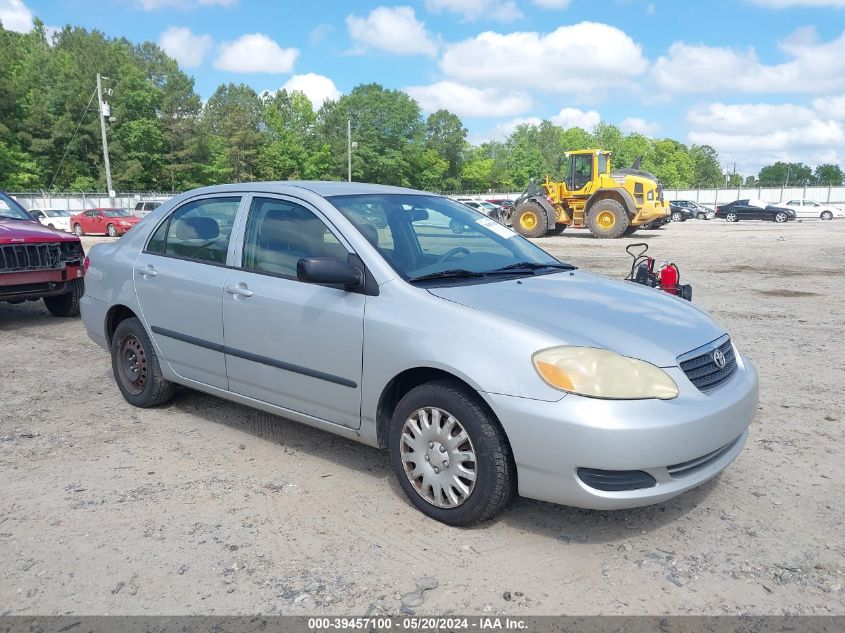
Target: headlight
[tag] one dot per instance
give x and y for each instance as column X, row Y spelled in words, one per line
column 600, row 373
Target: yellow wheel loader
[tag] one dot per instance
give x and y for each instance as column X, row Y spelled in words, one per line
column 608, row 203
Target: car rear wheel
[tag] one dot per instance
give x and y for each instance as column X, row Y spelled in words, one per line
column 677, row 216
column 450, row 455
column 780, row 216
column 732, row 217
column 826, row 215
column 77, row 228
column 135, row 366
column 111, row 230
column 67, row 304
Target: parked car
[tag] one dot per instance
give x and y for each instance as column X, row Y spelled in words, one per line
column 811, row 209
column 112, row 222
column 751, row 209
column 145, row 206
column 37, row 262
column 683, row 210
column 487, row 208
column 54, row 218
column 277, row 296
column 502, row 202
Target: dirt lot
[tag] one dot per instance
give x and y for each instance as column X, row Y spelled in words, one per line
column 204, row 506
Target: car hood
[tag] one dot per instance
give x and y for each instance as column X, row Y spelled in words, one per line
column 26, row 231
column 581, row 308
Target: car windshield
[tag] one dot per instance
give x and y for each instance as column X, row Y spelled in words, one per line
column 423, row 236
column 10, row 209
column 116, row 213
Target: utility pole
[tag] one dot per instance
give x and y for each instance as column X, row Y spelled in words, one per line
column 104, row 112
column 349, row 150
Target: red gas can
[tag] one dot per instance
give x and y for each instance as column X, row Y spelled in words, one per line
column 669, row 276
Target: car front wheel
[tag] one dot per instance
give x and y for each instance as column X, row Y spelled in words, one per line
column 77, row 228
column 67, row 304
column 450, row 455
column 701, row 216
column 135, row 366
column 677, row 216
column 826, row 215
column 111, row 230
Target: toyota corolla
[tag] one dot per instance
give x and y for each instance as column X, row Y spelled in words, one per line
column 485, row 366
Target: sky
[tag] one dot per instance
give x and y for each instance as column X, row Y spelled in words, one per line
column 759, row 80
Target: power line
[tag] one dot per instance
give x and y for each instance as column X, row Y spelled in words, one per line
column 70, row 142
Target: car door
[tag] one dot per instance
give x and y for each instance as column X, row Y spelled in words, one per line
column 810, row 209
column 292, row 344
column 179, row 278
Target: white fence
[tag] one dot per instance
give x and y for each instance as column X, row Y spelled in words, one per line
column 824, row 195
column 80, row 201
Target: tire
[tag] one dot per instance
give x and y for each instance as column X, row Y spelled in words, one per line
column 701, row 216
column 111, row 231
column 495, row 473
column 77, row 228
column 781, row 217
column 529, row 220
column 51, row 226
column 67, row 304
column 457, row 227
column 135, row 366
column 732, row 217
column 826, row 215
column 647, row 226
column 607, row 219
column 558, row 229
column 678, row 217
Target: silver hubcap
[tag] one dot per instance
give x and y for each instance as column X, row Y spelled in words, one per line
column 438, row 457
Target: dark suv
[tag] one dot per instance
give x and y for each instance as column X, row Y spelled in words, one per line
column 37, row 262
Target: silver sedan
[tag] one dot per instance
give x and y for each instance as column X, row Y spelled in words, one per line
column 485, row 366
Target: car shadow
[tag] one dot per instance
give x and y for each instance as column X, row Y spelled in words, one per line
column 28, row 313
column 284, row 432
column 586, row 235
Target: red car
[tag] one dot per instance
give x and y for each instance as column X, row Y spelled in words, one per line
column 111, row 222
column 37, row 262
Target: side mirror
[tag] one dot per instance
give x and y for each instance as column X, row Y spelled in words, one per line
column 329, row 270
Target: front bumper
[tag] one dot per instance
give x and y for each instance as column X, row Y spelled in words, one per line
column 34, row 284
column 552, row 440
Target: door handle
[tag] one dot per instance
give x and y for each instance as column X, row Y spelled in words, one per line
column 146, row 271
column 238, row 290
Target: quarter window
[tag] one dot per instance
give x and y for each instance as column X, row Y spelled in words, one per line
column 280, row 233
column 198, row 230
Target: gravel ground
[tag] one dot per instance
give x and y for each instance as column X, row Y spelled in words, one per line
column 207, row 507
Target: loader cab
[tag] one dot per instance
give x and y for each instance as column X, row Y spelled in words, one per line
column 586, row 167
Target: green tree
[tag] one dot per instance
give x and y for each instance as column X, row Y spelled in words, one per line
column 446, row 135
column 784, row 174
column 828, row 174
column 234, row 113
column 706, row 169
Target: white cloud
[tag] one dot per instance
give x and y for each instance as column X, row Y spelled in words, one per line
column 812, row 66
column 756, row 134
column 317, row 88
column 472, row 10
column 255, row 53
column 831, row 107
column 583, row 59
column 15, row 16
column 573, row 117
column 650, row 8
column 392, row 29
column 553, row 4
column 152, row 5
column 636, row 125
column 786, row 4
column 501, row 131
column 186, row 47
column 469, row 102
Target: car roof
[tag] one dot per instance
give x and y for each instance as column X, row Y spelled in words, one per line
column 319, row 187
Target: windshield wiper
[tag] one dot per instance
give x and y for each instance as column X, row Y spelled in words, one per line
column 454, row 273
column 530, row 267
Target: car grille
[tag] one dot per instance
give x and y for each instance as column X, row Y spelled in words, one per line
column 701, row 368
column 25, row 257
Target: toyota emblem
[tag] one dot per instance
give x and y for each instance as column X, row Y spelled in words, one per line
column 719, row 359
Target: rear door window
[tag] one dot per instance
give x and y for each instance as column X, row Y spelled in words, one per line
column 199, row 230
